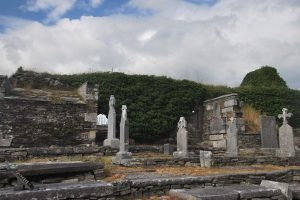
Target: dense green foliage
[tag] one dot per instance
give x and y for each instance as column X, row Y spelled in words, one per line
column 271, row 100
column 154, row 103
column 264, row 77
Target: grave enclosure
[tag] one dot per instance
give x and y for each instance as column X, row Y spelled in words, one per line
column 34, row 123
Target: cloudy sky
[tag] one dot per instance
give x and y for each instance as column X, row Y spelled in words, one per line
column 209, row 41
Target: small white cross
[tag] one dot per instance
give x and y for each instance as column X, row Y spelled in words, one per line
column 285, row 115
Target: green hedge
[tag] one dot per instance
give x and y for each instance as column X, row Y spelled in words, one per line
column 271, row 100
column 154, row 103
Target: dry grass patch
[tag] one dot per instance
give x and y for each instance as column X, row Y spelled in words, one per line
column 251, row 117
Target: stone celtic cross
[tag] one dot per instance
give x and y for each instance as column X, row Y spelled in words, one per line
column 285, row 115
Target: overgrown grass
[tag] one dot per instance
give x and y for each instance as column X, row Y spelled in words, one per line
column 251, row 117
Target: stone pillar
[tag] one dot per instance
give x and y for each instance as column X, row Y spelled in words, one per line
column 269, row 138
column 206, row 159
column 286, row 137
column 232, row 139
column 123, row 157
column 111, row 140
column 182, row 139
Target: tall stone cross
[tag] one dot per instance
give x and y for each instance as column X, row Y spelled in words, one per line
column 285, row 115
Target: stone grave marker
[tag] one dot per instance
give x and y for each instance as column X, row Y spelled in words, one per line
column 206, row 159
column 111, row 140
column 269, row 137
column 182, row 139
column 123, row 157
column 232, row 139
column 286, row 137
column 168, row 149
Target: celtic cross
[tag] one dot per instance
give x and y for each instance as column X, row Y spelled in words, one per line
column 285, row 115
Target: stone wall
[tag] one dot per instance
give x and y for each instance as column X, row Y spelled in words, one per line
column 217, row 113
column 36, row 118
column 145, row 187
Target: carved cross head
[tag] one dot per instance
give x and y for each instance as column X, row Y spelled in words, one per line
column 124, row 111
column 182, row 123
column 285, row 115
column 112, row 101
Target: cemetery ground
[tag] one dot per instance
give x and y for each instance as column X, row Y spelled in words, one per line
column 117, row 172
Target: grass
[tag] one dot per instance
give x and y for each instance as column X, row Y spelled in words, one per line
column 251, row 117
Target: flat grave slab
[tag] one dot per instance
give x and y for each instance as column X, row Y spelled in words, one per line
column 225, row 193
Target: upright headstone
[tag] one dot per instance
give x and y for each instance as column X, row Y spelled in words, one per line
column 182, row 139
column 168, row 149
column 111, row 140
column 232, row 139
column 123, row 157
column 206, row 159
column 286, row 137
column 269, row 138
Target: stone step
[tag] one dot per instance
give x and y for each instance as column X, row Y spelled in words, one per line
column 228, row 192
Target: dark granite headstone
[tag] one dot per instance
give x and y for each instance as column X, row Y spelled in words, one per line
column 269, row 137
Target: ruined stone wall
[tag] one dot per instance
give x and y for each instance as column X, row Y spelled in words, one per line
column 217, row 113
column 42, row 123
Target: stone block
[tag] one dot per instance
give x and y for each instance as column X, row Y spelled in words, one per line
column 90, row 117
column 113, row 143
column 283, row 187
column 228, row 109
column 219, row 143
column 230, row 103
column 216, row 137
column 269, row 137
column 122, row 158
column 209, row 107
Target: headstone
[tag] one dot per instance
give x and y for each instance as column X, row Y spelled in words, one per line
column 286, row 137
column 232, row 139
column 269, row 138
column 168, row 149
column 123, row 157
column 206, row 159
column 182, row 139
column 111, row 140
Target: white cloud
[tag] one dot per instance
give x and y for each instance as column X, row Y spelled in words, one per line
column 95, row 3
column 213, row 44
column 55, row 8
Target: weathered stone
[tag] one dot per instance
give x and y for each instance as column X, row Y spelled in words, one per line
column 206, row 159
column 269, row 138
column 111, row 140
column 286, row 137
column 182, row 139
column 123, row 156
column 216, row 137
column 219, row 143
column 85, row 190
column 232, row 139
column 231, row 103
column 283, row 187
column 228, row 109
column 228, row 192
column 168, row 149
column 217, row 124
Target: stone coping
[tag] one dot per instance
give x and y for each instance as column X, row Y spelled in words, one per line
column 220, row 97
